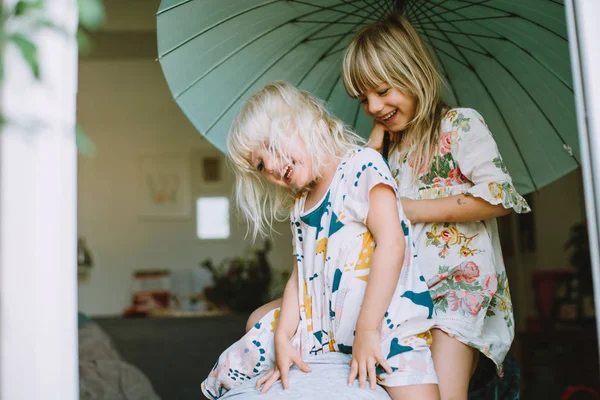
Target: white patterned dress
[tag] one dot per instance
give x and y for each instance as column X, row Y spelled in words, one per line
column 462, row 262
column 333, row 249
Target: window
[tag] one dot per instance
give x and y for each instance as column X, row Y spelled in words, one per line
column 212, row 217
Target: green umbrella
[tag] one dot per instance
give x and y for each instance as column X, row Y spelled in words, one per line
column 509, row 59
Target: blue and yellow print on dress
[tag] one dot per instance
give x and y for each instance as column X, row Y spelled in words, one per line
column 333, row 249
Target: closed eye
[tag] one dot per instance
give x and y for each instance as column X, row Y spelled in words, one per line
column 383, row 92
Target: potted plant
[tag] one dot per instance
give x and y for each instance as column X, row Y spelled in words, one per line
column 240, row 284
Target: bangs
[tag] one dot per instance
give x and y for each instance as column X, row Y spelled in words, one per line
column 363, row 68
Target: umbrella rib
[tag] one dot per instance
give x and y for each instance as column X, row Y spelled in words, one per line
column 202, row 32
column 384, row 8
column 328, row 23
column 472, row 69
column 378, row 13
column 483, row 53
column 446, row 74
column 469, row 5
column 325, row 55
column 518, row 83
column 502, row 37
column 329, row 36
column 255, row 80
column 172, row 7
column 499, row 9
column 471, row 34
column 323, row 8
column 267, row 3
column 471, row 19
column 231, row 55
column 333, row 53
column 424, row 9
column 415, row 9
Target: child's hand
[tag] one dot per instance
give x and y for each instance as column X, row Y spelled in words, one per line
column 285, row 356
column 366, row 354
column 376, row 136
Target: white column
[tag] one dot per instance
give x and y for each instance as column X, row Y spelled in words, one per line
column 38, row 268
column 584, row 31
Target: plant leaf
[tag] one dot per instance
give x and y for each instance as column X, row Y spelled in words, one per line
column 28, row 51
column 85, row 145
column 84, row 43
column 91, row 13
column 23, row 7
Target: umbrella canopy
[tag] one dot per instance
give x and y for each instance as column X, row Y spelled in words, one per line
column 508, row 59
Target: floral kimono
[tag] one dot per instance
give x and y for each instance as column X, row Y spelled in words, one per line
column 462, row 262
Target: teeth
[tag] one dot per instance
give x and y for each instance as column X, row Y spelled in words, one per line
column 288, row 171
column 390, row 115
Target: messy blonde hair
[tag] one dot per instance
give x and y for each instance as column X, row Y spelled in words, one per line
column 280, row 110
column 392, row 52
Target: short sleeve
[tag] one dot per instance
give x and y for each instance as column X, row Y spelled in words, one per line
column 479, row 160
column 367, row 170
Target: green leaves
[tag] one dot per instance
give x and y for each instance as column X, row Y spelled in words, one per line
column 18, row 26
column 91, row 14
column 25, row 7
column 85, row 145
column 91, row 17
column 28, row 51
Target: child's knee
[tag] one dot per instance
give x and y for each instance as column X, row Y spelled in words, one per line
column 260, row 312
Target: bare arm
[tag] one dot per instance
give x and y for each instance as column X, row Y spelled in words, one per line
column 384, row 223
column 457, row 208
column 289, row 316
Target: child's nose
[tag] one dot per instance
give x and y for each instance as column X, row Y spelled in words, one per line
column 375, row 105
column 271, row 166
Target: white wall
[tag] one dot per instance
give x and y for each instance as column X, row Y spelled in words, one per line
column 127, row 110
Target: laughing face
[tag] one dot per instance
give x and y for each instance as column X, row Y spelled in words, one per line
column 389, row 106
column 294, row 171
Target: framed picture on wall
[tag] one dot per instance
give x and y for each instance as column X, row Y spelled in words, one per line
column 163, row 186
column 210, row 173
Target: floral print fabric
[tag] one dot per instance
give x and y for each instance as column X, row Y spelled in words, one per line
column 462, row 262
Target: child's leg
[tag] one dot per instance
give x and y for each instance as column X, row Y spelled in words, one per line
column 454, row 364
column 424, row 392
column 261, row 311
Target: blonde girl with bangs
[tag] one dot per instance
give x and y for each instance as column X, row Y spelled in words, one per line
column 453, row 185
column 355, row 296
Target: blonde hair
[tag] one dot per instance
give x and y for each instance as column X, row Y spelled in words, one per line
column 280, row 110
column 392, row 52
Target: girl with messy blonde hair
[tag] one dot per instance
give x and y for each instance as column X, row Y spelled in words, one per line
column 352, row 260
column 280, row 110
column 453, row 184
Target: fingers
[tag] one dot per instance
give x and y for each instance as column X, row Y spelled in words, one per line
column 362, row 374
column 301, row 364
column 284, row 375
column 274, row 377
column 353, row 371
column 372, row 374
column 383, row 364
column 264, row 378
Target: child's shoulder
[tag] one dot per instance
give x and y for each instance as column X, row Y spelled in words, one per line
column 459, row 113
column 462, row 119
column 365, row 154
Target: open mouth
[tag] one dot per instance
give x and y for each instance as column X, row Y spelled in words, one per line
column 388, row 117
column 287, row 175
